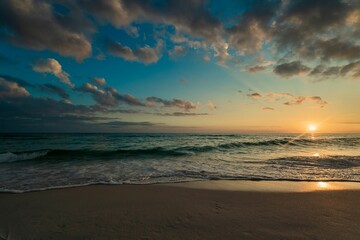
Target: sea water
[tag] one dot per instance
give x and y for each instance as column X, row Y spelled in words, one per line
column 43, row 161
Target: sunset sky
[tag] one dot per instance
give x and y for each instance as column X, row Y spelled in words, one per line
column 179, row 66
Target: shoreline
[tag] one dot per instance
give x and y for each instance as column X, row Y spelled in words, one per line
column 227, row 185
column 200, row 210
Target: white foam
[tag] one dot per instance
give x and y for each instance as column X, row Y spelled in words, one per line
column 14, row 157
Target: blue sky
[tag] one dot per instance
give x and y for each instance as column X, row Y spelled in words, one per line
column 171, row 66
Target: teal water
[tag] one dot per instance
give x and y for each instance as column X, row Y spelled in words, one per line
column 44, row 161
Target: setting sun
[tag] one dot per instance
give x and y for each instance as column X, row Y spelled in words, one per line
column 312, row 128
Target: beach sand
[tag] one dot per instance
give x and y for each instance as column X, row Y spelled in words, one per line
column 181, row 211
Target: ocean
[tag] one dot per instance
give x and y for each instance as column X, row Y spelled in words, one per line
column 30, row 162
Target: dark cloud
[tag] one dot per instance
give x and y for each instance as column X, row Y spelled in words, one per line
column 322, row 72
column 178, row 103
column 290, row 69
column 184, row 81
column 33, row 24
column 22, row 112
column 12, row 90
column 130, row 100
column 146, row 55
column 252, row 29
column 109, row 96
column 50, row 88
column 255, row 68
column 268, row 108
column 301, row 21
column 19, row 81
column 44, row 114
column 335, row 49
column 254, row 95
column 181, row 114
column 103, row 97
column 47, row 88
column 117, row 124
column 199, row 23
column 300, row 30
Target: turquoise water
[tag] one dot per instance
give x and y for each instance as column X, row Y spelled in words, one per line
column 42, row 161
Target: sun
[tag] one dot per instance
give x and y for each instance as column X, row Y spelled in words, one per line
column 312, row 128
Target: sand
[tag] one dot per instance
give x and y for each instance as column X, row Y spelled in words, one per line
column 179, row 212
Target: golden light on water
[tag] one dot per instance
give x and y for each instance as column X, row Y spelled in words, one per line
column 316, row 155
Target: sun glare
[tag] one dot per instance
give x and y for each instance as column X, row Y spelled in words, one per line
column 312, row 128
column 323, row 185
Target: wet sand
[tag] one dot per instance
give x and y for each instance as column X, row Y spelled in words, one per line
column 208, row 210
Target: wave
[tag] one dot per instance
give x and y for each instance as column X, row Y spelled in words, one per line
column 328, row 162
column 15, row 157
column 65, row 154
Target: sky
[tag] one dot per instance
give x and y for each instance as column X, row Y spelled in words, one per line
column 179, row 66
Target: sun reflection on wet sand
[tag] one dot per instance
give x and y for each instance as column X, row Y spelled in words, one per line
column 271, row 186
column 323, row 185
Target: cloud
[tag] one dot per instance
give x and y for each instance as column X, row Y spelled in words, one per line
column 109, row 96
column 318, row 100
column 11, row 90
column 290, row 69
column 297, row 100
column 211, row 105
column 183, row 81
column 206, row 58
column 178, row 103
column 121, row 124
column 50, row 88
column 254, row 95
column 130, row 100
column 48, row 115
column 253, row 27
column 21, row 112
column 255, row 68
column 98, row 81
column 19, row 81
column 47, row 88
column 34, row 24
column 334, row 49
column 285, row 98
column 260, row 67
column 177, row 51
column 102, row 97
column 132, row 31
column 322, row 72
column 292, row 31
column 181, row 114
column 52, row 66
column 146, row 55
column 268, row 108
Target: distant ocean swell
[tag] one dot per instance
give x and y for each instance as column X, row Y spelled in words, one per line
column 86, row 154
column 328, row 161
